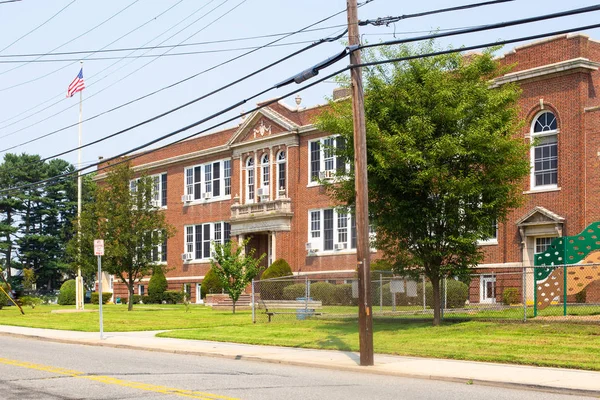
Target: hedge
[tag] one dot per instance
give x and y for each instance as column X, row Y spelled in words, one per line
column 105, row 297
column 327, row 293
column 66, row 297
column 510, row 296
column 157, row 285
column 273, row 290
column 172, row 297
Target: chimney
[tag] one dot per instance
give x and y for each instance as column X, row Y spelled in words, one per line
column 340, row 93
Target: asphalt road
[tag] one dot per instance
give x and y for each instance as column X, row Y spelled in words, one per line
column 34, row 369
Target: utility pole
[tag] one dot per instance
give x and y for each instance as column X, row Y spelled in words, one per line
column 365, row 317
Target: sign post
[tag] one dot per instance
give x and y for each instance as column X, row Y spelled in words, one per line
column 99, row 251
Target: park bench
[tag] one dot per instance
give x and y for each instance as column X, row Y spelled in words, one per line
column 304, row 308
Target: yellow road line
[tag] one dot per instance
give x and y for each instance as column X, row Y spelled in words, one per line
column 114, row 381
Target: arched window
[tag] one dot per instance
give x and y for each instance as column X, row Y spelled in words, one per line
column 281, row 171
column 250, row 179
column 544, row 154
column 266, row 172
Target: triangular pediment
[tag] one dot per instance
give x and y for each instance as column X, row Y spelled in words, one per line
column 262, row 124
column 540, row 216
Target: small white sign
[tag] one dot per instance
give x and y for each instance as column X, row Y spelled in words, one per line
column 98, row 247
column 397, row 286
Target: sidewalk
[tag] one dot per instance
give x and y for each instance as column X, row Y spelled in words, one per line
column 539, row 378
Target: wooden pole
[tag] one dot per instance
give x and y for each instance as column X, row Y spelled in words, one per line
column 365, row 317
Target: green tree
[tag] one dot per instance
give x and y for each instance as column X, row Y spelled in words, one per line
column 445, row 162
column 157, row 285
column 129, row 225
column 235, row 267
column 211, row 283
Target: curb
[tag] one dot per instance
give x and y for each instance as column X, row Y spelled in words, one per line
column 357, row 369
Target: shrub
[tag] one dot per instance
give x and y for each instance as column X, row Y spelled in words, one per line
column 105, row 297
column 66, row 297
column 510, row 296
column 3, row 299
column 580, row 297
column 458, row 293
column 343, row 295
column 31, row 301
column 145, row 299
column 324, row 292
column 293, row 291
column 157, row 285
column 172, row 297
column 274, row 290
column 136, row 298
column 211, row 283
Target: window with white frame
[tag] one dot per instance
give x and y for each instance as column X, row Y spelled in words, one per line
column 544, row 154
column 199, row 238
column 492, row 235
column 331, row 229
column 281, row 171
column 323, row 162
column 159, row 189
column 266, row 172
column 542, row 244
column 208, row 181
column 159, row 252
column 250, row 180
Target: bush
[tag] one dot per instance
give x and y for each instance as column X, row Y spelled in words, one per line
column 293, row 291
column 172, row 297
column 580, row 297
column 145, row 299
column 157, row 285
column 458, row 293
column 211, row 284
column 31, row 301
column 3, row 299
column 274, row 290
column 66, row 297
column 510, row 296
column 136, row 298
column 105, row 297
column 324, row 292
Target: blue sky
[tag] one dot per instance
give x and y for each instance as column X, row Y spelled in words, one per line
column 113, row 82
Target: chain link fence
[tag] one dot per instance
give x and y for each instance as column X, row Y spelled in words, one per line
column 516, row 294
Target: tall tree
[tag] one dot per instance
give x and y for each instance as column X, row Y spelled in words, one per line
column 130, row 226
column 445, row 161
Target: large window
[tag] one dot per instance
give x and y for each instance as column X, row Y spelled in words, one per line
column 492, row 234
column 159, row 252
column 281, row 171
column 544, row 155
column 324, row 163
column 250, row 180
column 159, row 189
column 542, row 244
column 199, row 239
column 331, row 229
column 208, row 181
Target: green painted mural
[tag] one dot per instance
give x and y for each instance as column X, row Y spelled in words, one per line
column 555, row 273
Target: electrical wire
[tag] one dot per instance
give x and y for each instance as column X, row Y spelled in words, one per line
column 390, row 20
column 37, row 27
column 173, row 84
column 64, row 44
column 267, row 103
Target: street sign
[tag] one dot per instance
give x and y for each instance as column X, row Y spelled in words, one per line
column 99, row 247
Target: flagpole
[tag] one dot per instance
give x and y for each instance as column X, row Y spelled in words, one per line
column 79, row 286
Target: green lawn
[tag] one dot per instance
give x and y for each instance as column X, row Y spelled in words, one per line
column 553, row 344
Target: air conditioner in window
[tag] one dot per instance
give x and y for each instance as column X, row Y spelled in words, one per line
column 310, row 248
column 262, row 191
column 206, row 195
column 326, row 175
column 155, row 203
column 341, row 246
column 186, row 257
column 187, row 198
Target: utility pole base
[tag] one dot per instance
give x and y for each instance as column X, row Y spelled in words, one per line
column 79, row 293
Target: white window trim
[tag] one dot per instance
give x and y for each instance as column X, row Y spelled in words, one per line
column 318, row 243
column 321, row 160
column 482, row 288
column 212, row 199
column 280, row 162
column 212, row 240
column 252, row 168
column 490, row 241
column 160, row 184
column 532, row 136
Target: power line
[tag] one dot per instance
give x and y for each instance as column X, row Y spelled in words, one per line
column 265, row 104
column 176, row 83
column 187, row 53
column 103, row 50
column 38, row 27
column 390, row 20
column 64, row 44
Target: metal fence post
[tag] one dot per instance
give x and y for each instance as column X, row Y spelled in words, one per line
column 424, row 298
column 565, row 287
column 253, row 304
column 307, row 292
column 524, row 294
column 381, row 292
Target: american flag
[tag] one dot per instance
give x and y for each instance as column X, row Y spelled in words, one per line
column 77, row 85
